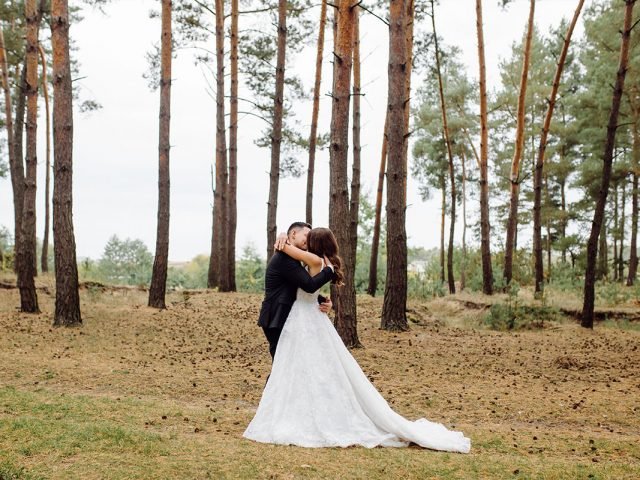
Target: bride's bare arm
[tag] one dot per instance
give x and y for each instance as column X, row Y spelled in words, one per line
column 309, row 258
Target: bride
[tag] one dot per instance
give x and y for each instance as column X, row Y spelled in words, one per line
column 317, row 395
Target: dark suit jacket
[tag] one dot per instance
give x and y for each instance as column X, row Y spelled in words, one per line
column 283, row 278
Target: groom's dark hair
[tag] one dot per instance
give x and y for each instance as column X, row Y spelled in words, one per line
column 297, row 226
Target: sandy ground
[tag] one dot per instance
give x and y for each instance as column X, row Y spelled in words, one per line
column 562, row 395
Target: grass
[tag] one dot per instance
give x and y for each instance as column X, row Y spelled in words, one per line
column 137, row 393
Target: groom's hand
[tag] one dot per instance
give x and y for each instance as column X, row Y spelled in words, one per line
column 326, row 305
column 328, row 263
column 281, row 241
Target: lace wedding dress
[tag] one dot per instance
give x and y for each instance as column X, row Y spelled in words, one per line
column 317, row 395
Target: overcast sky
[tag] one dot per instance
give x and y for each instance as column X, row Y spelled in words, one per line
column 116, row 148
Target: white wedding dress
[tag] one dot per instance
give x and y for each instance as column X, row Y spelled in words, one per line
column 318, row 396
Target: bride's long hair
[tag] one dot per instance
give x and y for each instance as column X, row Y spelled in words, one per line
column 322, row 242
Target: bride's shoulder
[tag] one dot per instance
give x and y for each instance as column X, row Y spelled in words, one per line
column 314, row 260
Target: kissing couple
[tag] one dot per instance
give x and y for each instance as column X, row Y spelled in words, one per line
column 317, row 395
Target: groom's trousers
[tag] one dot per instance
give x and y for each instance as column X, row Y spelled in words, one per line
column 273, row 335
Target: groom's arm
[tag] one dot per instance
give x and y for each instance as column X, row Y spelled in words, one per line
column 298, row 276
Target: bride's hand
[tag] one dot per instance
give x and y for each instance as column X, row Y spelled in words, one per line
column 326, row 305
column 281, row 241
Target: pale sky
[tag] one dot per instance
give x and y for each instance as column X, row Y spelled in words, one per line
column 116, row 148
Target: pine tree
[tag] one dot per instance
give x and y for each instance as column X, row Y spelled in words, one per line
column 158, row 286
column 67, row 311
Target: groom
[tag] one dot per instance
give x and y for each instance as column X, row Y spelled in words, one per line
column 283, row 277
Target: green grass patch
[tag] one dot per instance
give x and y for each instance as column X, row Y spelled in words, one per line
column 8, row 471
column 73, row 436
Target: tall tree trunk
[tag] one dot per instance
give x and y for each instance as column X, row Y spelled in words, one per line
column 548, row 225
column 232, row 191
column 443, row 215
column 13, row 162
column 537, row 178
column 563, row 204
column 218, row 260
column 276, row 135
column 589, row 281
column 160, row 264
column 313, row 136
column 44, row 259
column 623, row 201
column 633, row 245
column 8, row 109
column 339, row 214
column 67, row 310
column 17, row 165
column 395, row 295
column 512, row 223
column 355, row 169
column 463, row 266
column 447, row 140
column 616, row 232
column 375, row 241
column 485, row 228
column 603, row 266
column 409, row 12
column 27, row 248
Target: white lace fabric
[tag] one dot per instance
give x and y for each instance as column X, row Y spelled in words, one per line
column 318, row 396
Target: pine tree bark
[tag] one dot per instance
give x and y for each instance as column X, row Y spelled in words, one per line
column 598, row 216
column 8, row 109
column 26, row 258
column 623, row 201
column 276, row 135
column 447, row 140
column 463, row 266
column 232, row 208
column 602, row 271
column 354, row 206
column 633, row 245
column 16, row 167
column 537, row 178
column 160, row 264
column 616, row 229
column 548, row 226
column 44, row 259
column 443, row 216
column 375, row 241
column 485, row 228
column 512, row 223
column 395, row 295
column 217, row 276
column 344, row 297
column 313, row 136
column 67, row 310
column 409, row 14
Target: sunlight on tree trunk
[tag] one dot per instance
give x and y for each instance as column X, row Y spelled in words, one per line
column 514, row 178
column 537, row 178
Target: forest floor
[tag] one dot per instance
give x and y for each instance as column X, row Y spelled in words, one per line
column 140, row 393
